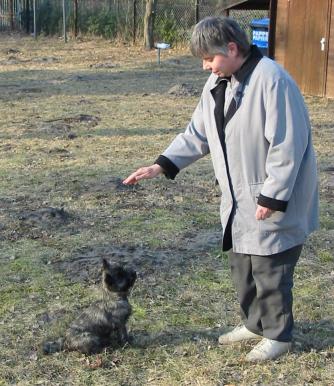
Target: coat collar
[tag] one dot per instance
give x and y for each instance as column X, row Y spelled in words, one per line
column 246, row 69
column 251, row 62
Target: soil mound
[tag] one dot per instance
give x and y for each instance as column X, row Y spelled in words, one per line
column 83, row 118
column 55, row 128
column 182, row 90
column 103, row 65
column 46, row 217
column 46, row 59
column 63, row 126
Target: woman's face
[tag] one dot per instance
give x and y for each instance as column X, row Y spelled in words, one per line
column 223, row 65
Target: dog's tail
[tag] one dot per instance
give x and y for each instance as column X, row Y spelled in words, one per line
column 51, row 347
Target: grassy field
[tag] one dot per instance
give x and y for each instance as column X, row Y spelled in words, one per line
column 75, row 120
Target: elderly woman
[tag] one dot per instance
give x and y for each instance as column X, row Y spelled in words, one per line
column 252, row 120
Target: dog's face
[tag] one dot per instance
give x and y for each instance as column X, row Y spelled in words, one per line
column 117, row 278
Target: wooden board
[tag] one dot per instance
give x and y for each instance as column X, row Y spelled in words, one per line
column 315, row 59
column 281, row 31
column 295, row 40
column 330, row 63
column 298, row 48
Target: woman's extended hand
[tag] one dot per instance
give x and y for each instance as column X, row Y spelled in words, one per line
column 143, row 173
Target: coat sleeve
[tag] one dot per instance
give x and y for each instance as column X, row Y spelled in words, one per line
column 187, row 147
column 287, row 130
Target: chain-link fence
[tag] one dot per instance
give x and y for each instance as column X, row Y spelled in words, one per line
column 115, row 19
column 174, row 20
column 9, row 11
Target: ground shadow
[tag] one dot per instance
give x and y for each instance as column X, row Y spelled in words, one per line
column 143, row 339
column 308, row 336
column 314, row 335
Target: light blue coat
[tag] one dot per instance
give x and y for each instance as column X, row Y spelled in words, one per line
column 269, row 152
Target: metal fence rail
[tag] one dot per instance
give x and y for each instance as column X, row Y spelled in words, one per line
column 115, row 19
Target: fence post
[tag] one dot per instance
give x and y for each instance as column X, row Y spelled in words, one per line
column 196, row 11
column 272, row 28
column 27, row 16
column 64, row 21
column 134, row 21
column 11, row 14
column 75, row 16
column 34, row 10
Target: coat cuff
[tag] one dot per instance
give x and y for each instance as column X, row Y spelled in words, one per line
column 170, row 170
column 272, row 203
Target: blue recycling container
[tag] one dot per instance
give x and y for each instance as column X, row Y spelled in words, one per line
column 260, row 33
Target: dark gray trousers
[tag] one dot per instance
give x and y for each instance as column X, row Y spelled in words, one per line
column 264, row 286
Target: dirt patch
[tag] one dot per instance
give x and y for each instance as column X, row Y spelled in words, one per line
column 63, row 127
column 7, row 147
column 31, row 90
column 90, row 120
column 104, row 65
column 204, row 241
column 12, row 60
column 46, row 59
column 56, row 129
column 183, row 90
column 46, row 217
column 85, row 102
column 103, row 188
column 84, row 265
column 9, row 51
column 35, row 223
column 59, row 151
column 41, row 223
column 95, row 77
column 113, row 184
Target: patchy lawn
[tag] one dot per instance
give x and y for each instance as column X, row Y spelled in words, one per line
column 75, row 120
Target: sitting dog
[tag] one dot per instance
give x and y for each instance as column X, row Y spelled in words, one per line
column 104, row 323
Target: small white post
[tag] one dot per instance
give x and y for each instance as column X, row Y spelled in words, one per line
column 161, row 46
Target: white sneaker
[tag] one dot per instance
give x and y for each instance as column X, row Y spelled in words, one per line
column 237, row 334
column 268, row 349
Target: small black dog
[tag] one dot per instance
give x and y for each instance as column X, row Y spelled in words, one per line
column 104, row 323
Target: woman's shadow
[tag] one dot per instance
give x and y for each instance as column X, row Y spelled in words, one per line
column 143, row 339
column 307, row 336
column 313, row 335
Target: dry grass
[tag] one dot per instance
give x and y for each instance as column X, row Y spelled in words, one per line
column 53, row 156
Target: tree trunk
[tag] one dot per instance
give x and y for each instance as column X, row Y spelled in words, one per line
column 11, row 14
column 27, row 16
column 149, row 23
column 75, row 17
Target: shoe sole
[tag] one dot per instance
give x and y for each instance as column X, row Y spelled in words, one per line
column 240, row 340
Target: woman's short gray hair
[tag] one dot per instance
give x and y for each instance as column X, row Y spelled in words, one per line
column 212, row 35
